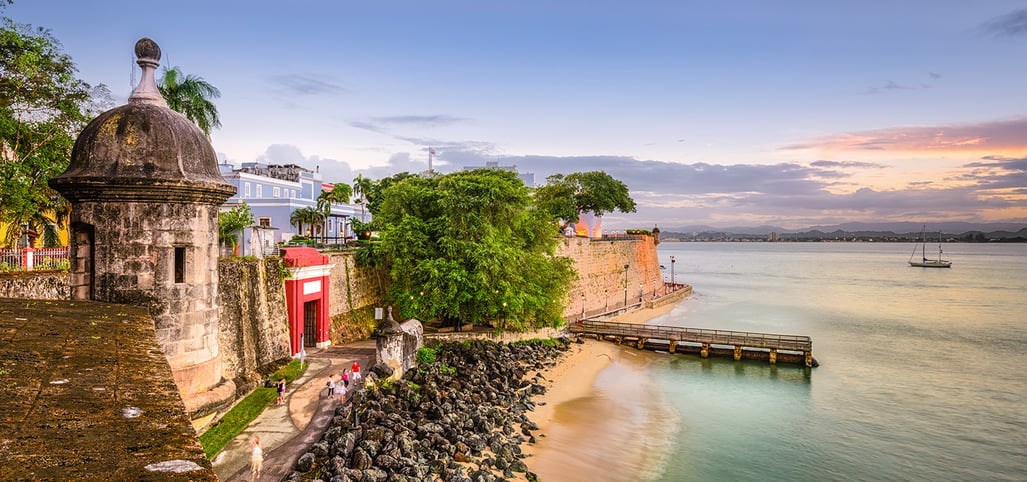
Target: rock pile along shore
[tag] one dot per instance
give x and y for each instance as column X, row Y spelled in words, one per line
column 461, row 417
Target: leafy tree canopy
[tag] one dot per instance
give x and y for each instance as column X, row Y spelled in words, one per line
column 468, row 246
column 232, row 221
column 43, row 106
column 375, row 195
column 566, row 197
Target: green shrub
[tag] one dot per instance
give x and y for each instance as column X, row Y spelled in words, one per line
column 425, row 355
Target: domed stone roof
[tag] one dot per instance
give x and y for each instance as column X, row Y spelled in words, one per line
column 143, row 151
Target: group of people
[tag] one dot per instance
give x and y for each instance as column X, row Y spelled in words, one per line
column 338, row 387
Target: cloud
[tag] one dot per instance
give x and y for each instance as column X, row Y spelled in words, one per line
column 1012, row 24
column 985, row 137
column 302, row 85
column 847, row 164
column 427, row 121
column 786, row 194
column 332, row 171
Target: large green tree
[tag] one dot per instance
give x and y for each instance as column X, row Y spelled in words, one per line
column 468, row 247
column 566, row 197
column 43, row 106
column 191, row 96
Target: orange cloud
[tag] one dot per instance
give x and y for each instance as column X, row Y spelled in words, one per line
column 1007, row 137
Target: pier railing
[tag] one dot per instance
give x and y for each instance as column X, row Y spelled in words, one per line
column 747, row 339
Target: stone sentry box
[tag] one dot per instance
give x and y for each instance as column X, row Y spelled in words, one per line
column 397, row 344
column 145, row 188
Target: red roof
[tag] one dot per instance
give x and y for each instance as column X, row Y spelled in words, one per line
column 300, row 257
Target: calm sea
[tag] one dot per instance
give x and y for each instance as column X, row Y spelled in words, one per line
column 923, row 372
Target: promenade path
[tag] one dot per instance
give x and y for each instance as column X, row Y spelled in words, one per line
column 287, row 431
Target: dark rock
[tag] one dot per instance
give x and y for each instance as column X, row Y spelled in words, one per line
column 305, row 463
column 382, row 370
column 360, row 460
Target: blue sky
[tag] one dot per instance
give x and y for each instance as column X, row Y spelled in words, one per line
column 723, row 113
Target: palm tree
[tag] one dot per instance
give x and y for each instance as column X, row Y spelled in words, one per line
column 361, row 188
column 308, row 215
column 191, row 96
column 339, row 194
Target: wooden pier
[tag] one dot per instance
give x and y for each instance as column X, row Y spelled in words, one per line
column 757, row 345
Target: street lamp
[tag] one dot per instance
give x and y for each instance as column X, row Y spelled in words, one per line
column 606, row 294
column 640, row 291
column 673, row 284
column 583, row 306
column 626, row 285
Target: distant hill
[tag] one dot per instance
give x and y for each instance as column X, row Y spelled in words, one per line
column 949, row 228
column 969, row 232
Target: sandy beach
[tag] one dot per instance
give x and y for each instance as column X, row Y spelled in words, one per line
column 600, row 413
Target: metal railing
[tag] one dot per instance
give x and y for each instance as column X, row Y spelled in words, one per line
column 29, row 259
column 697, row 335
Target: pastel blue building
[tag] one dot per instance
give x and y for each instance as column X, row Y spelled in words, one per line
column 273, row 192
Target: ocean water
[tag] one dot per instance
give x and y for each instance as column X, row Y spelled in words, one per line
column 923, row 371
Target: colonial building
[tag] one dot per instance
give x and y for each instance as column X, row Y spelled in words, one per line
column 273, row 192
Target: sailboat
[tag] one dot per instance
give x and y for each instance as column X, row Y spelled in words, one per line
column 924, row 262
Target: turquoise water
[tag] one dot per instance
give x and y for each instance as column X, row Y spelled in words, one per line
column 923, row 372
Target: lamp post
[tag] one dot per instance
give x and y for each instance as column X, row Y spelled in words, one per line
column 626, row 285
column 583, row 306
column 673, row 284
column 640, row 291
column 606, row 295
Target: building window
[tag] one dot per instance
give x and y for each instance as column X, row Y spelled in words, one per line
column 330, row 225
column 246, row 190
column 266, row 222
column 179, row 265
column 260, row 190
column 294, row 193
column 277, row 192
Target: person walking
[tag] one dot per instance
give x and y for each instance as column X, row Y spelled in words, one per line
column 340, row 389
column 356, row 371
column 281, row 391
column 256, row 458
column 331, row 386
column 345, row 377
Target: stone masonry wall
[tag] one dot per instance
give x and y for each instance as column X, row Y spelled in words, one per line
column 601, row 273
column 353, row 292
column 37, row 285
column 254, row 322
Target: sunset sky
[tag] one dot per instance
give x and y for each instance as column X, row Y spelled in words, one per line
column 723, row 113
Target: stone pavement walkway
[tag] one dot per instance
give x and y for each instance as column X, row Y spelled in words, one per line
column 287, row 431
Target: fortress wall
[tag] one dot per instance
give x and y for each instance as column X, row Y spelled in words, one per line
column 601, row 273
column 254, row 322
column 354, row 292
column 37, row 285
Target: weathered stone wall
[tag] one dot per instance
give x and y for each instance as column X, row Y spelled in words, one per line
column 37, row 285
column 601, row 275
column 254, row 328
column 162, row 256
column 354, row 291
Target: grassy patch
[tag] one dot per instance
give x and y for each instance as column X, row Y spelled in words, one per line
column 239, row 417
